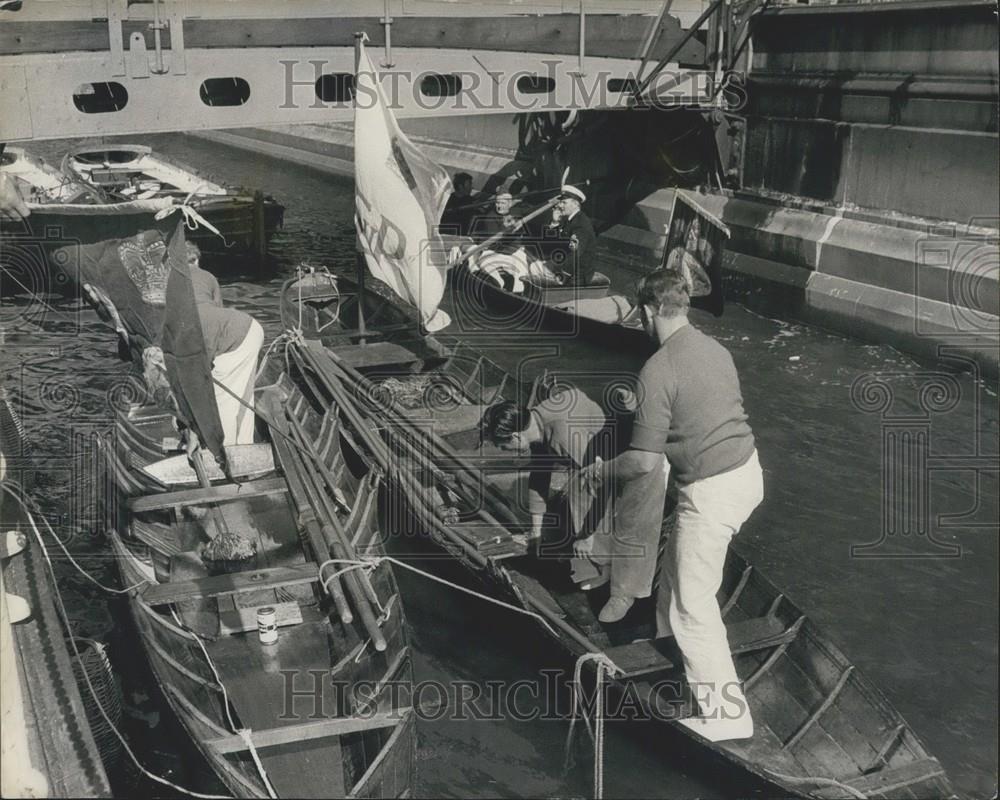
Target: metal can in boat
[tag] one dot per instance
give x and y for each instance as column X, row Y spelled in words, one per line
column 267, row 625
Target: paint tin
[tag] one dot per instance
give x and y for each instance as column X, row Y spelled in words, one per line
column 267, row 625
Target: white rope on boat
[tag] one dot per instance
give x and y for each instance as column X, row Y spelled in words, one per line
column 64, row 616
column 815, row 781
column 192, row 219
column 244, row 733
column 374, row 561
column 604, row 667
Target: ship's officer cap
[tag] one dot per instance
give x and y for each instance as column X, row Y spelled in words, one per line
column 572, row 191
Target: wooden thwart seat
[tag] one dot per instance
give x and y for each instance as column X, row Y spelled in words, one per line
column 214, row 586
column 313, row 729
column 642, row 658
column 213, row 494
column 375, row 354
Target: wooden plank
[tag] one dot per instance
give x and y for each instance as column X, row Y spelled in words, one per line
column 256, row 679
column 215, row 494
column 578, row 610
column 229, row 584
column 387, row 750
column 888, row 780
column 482, row 534
column 641, row 658
column 306, row 731
column 448, row 421
column 608, row 35
column 497, row 463
column 241, row 619
column 815, row 715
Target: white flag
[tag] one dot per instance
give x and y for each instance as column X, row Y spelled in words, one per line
column 400, row 195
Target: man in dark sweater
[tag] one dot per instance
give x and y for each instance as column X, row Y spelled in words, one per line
column 691, row 411
column 460, row 209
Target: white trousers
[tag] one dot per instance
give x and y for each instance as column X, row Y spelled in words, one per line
column 709, row 513
column 235, row 370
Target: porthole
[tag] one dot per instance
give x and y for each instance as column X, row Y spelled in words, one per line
column 535, row 84
column 437, row 85
column 224, row 91
column 335, row 87
column 622, row 85
column 100, row 98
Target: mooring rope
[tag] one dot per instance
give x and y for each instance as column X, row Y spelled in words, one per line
column 27, row 503
column 244, row 733
column 374, row 561
column 604, row 667
column 64, row 616
column 816, row 781
column 192, row 219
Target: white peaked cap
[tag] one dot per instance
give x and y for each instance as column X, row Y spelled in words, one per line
column 572, row 191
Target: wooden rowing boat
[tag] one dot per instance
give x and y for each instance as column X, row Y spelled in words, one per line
column 303, row 498
column 124, row 172
column 552, row 309
column 822, row 729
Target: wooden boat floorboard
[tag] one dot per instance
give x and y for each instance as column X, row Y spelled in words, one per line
column 258, row 691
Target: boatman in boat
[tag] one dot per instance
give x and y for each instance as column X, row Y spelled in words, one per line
column 571, row 261
column 460, row 208
column 570, row 426
column 232, row 341
column 690, row 409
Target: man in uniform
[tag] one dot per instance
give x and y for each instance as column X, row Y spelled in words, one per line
column 572, row 259
column 691, row 410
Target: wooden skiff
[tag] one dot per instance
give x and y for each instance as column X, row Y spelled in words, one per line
column 200, row 630
column 822, row 729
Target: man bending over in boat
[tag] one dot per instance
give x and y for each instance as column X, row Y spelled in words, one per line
column 691, row 410
column 567, row 425
column 232, row 340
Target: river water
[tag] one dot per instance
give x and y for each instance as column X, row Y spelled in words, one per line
column 904, row 580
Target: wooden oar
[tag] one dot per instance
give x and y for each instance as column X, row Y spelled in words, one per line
column 307, row 517
column 350, row 579
column 496, row 237
column 437, row 444
column 340, row 541
column 234, row 542
column 380, row 452
column 417, row 496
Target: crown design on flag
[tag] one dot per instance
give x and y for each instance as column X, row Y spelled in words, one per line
column 144, row 260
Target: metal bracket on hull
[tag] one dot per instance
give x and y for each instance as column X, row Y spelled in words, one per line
column 168, row 15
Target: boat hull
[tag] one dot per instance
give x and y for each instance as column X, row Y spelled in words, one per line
column 216, row 673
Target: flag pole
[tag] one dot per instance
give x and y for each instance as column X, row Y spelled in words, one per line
column 359, row 263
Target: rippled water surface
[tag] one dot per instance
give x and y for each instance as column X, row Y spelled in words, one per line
column 915, row 614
